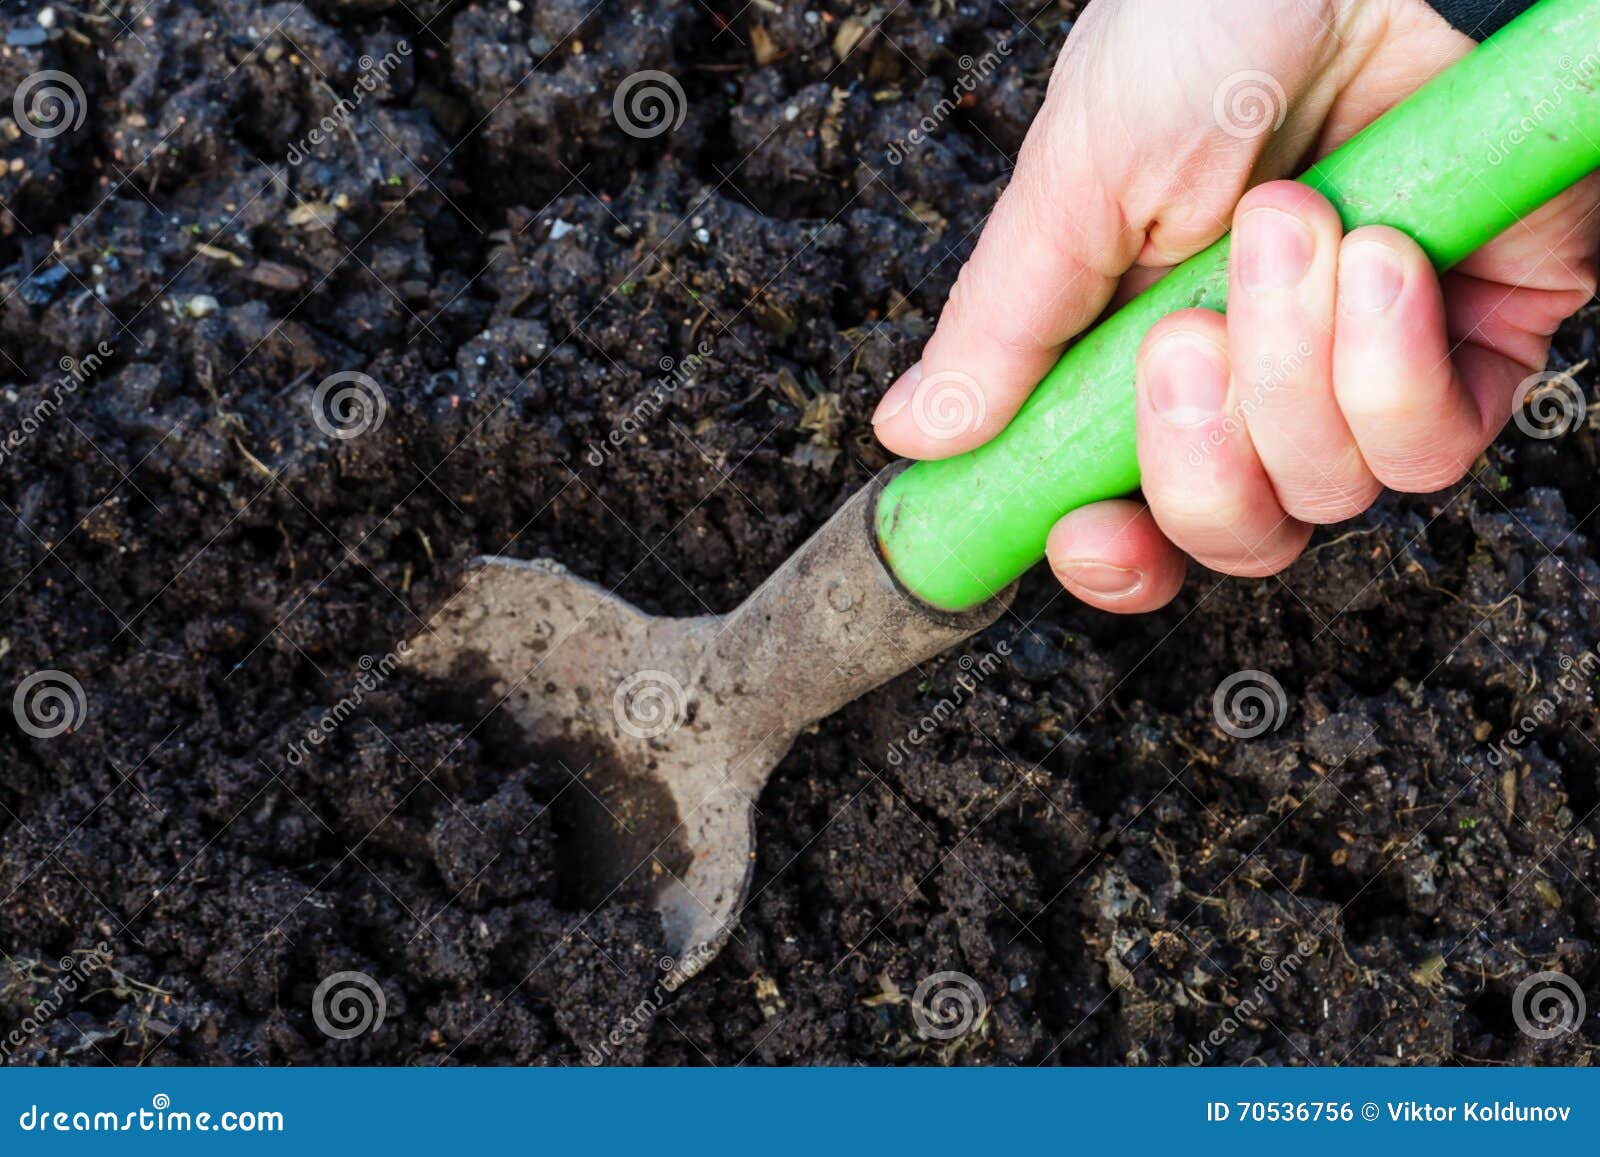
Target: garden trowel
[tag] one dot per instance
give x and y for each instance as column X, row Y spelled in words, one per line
column 670, row 727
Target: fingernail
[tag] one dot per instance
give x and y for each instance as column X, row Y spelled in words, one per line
column 899, row 395
column 1274, row 250
column 1186, row 379
column 1370, row 277
column 1108, row 582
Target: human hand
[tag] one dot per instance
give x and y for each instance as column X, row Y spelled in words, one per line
column 1344, row 363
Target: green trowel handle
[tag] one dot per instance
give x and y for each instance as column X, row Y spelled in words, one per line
column 1482, row 145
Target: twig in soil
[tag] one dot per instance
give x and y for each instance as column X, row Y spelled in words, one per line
column 294, row 383
column 126, row 986
column 1322, row 546
column 1489, row 610
column 361, row 153
column 288, row 545
column 87, row 16
column 705, row 312
column 251, row 458
column 217, row 253
column 1197, row 754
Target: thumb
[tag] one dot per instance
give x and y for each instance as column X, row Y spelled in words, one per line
column 1129, row 161
column 1044, row 266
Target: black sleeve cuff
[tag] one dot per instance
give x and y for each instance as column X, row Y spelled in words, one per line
column 1478, row 18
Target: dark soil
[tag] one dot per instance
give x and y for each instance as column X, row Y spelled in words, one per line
column 1119, row 877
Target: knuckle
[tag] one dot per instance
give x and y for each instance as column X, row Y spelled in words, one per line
column 1587, row 282
column 1241, row 559
column 1589, row 274
column 1326, row 506
column 1278, row 382
column 1387, row 407
column 1292, row 197
column 1420, row 481
column 1039, row 144
column 964, row 296
column 1179, row 231
column 1236, row 539
column 1419, row 470
column 1325, row 488
column 1190, row 510
column 1262, row 565
column 1387, row 235
column 1275, row 550
column 1202, row 323
column 970, row 319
